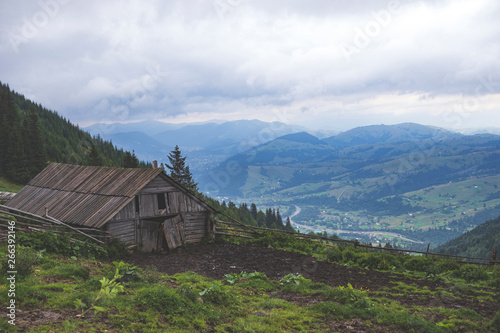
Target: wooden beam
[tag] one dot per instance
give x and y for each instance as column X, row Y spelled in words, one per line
column 234, row 235
column 49, row 219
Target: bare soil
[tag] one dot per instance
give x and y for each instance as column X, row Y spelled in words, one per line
column 217, row 259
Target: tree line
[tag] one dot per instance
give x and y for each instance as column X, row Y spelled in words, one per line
column 270, row 218
column 32, row 136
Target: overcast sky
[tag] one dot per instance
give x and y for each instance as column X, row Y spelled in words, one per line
column 324, row 64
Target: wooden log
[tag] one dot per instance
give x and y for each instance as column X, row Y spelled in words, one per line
column 422, row 252
column 80, row 232
column 233, row 235
column 40, row 219
column 240, row 223
column 234, row 230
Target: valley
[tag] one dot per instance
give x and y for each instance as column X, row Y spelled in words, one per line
column 428, row 185
column 407, row 184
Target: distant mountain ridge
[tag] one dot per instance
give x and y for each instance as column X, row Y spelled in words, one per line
column 389, row 134
column 205, row 144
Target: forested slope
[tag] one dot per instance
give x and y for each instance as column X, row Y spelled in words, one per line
column 479, row 242
column 32, row 136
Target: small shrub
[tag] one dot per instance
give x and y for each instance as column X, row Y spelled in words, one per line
column 293, row 279
column 495, row 276
column 254, row 275
column 358, row 298
column 62, row 244
column 25, row 260
column 161, row 298
column 335, row 255
column 109, row 289
column 216, row 293
column 351, row 255
column 115, row 248
column 447, row 266
column 232, row 278
column 472, row 273
column 418, row 264
column 128, row 272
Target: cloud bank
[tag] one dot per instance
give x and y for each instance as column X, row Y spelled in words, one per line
column 323, row 64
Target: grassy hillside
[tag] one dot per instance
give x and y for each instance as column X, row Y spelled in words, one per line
column 378, row 292
column 8, row 186
column 430, row 183
column 479, row 242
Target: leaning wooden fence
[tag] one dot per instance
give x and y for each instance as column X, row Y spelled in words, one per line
column 28, row 222
column 238, row 229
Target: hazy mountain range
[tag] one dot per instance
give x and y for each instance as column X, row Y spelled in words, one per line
column 205, row 144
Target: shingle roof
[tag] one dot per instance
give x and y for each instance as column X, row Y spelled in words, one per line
column 83, row 195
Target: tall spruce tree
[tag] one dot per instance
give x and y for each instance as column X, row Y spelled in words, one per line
column 130, row 160
column 179, row 171
column 270, row 219
column 34, row 144
column 94, row 157
column 288, row 226
column 253, row 211
column 279, row 220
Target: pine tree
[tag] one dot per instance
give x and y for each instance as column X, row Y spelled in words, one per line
column 179, row 171
column 34, row 145
column 261, row 219
column 253, row 211
column 188, row 180
column 177, row 164
column 279, row 220
column 288, row 226
column 94, row 157
column 270, row 219
column 16, row 161
column 130, row 160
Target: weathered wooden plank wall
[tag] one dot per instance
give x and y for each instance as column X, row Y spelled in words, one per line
column 124, row 230
column 195, row 226
column 127, row 212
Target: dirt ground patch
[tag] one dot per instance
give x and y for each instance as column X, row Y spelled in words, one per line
column 217, row 259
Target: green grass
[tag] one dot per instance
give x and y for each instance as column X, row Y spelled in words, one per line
column 8, row 186
column 244, row 302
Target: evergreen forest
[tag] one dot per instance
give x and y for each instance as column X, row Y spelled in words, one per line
column 32, row 136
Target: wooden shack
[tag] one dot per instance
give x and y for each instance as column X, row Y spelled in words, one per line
column 142, row 207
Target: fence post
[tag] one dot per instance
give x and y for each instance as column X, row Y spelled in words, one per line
column 427, row 252
column 493, row 256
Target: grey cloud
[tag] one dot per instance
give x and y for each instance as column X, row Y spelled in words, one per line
column 91, row 61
